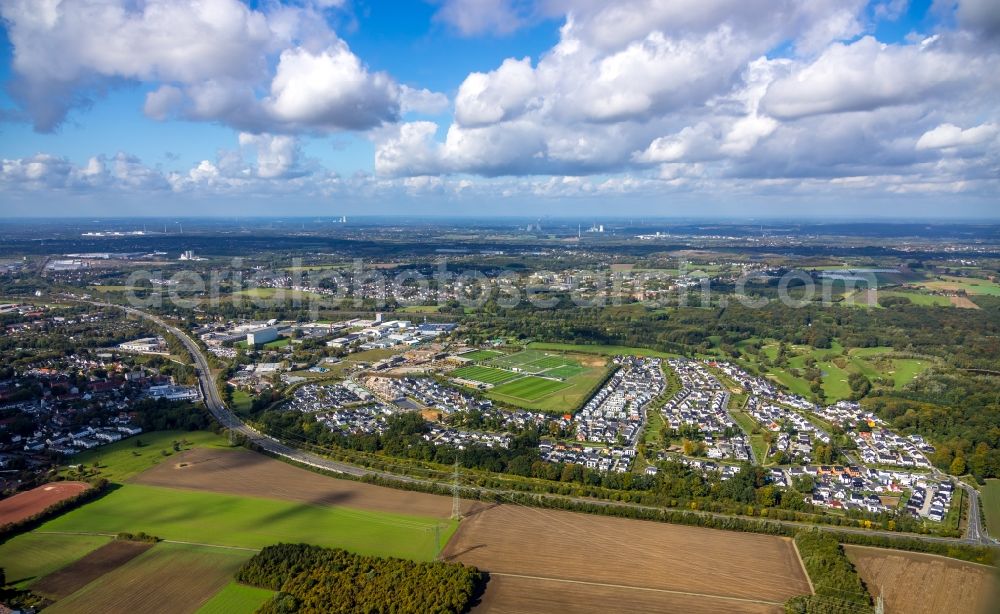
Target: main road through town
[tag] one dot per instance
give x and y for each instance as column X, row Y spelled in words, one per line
column 975, row 534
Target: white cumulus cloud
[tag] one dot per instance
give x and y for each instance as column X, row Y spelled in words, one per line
column 950, row 135
column 208, row 59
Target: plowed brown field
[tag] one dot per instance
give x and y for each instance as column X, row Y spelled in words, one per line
column 75, row 576
column 604, row 564
column 914, row 583
column 241, row 472
column 540, row 560
column 26, row 504
column 510, row 595
column 963, row 302
column 167, row 579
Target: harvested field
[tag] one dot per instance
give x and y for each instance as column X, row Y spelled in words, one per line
column 914, row 583
column 75, row 576
column 617, row 560
column 169, row 578
column 513, row 594
column 27, row 504
column 30, row 556
column 963, row 302
column 241, row 472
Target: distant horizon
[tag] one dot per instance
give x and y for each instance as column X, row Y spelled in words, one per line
column 628, row 219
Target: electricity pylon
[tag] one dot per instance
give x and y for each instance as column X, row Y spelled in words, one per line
column 456, row 502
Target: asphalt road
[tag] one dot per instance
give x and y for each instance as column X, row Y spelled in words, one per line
column 215, row 405
column 974, row 531
column 213, row 401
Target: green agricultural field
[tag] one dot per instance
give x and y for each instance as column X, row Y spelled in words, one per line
column 971, row 285
column 419, row 309
column 165, row 578
column 236, row 598
column 918, row 298
column 486, row 375
column 315, row 267
column 603, row 350
column 528, row 388
column 480, row 355
column 252, row 522
column 121, row 460
column 280, row 294
column 30, row 556
column 120, row 288
column 991, row 506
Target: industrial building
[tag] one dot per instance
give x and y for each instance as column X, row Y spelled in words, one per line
column 262, row 335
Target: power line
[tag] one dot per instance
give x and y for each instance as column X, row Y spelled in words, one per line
column 456, row 502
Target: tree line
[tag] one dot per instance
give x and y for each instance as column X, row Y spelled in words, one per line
column 312, row 579
column 837, row 588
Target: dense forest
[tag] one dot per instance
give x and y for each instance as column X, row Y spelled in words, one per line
column 958, row 411
column 315, row 580
column 163, row 415
column 965, row 338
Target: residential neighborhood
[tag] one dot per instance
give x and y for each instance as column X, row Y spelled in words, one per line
column 701, row 409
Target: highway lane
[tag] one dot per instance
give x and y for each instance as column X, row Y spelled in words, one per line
column 215, row 404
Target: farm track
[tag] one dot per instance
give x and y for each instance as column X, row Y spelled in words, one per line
column 162, row 541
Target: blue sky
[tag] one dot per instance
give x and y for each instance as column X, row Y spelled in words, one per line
column 843, row 107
